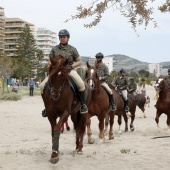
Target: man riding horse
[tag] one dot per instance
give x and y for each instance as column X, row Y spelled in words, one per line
column 74, row 59
column 168, row 79
column 122, row 84
column 103, row 73
column 132, row 87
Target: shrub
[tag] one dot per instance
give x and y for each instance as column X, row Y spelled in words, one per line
column 10, row 96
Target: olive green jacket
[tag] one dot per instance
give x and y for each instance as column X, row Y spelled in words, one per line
column 121, row 82
column 67, row 51
column 132, row 87
column 168, row 81
column 103, row 71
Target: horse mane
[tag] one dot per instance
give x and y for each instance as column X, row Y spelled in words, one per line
column 58, row 63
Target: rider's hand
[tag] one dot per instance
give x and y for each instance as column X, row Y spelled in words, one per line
column 100, row 78
column 121, row 88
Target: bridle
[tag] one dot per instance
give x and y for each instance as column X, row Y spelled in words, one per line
column 53, row 89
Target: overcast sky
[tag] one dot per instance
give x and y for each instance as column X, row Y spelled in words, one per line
column 113, row 35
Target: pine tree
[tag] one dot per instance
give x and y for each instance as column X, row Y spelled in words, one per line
column 26, row 51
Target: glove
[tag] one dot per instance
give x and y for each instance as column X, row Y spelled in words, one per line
column 100, row 78
column 70, row 68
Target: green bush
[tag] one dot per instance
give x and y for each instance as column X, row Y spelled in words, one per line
column 10, row 96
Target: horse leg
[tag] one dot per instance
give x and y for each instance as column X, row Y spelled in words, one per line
column 101, row 127
column 119, row 120
column 80, row 130
column 62, row 128
column 126, row 121
column 106, row 123
column 55, row 137
column 132, row 120
column 168, row 120
column 157, row 117
column 91, row 140
column 111, row 134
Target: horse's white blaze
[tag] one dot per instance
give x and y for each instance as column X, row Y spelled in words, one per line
column 92, row 71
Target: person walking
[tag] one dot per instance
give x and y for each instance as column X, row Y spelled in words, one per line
column 31, row 87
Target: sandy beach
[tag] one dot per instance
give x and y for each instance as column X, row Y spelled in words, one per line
column 25, row 142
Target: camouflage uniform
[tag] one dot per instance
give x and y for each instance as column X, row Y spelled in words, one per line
column 122, row 84
column 168, row 81
column 103, row 72
column 132, row 87
column 72, row 55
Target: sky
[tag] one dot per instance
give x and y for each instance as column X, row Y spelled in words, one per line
column 113, row 35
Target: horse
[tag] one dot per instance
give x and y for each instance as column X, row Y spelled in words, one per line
column 100, row 105
column 163, row 102
column 141, row 101
column 60, row 105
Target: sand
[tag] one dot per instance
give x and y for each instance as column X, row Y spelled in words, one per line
column 25, row 141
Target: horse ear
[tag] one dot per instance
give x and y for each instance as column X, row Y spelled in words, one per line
column 88, row 65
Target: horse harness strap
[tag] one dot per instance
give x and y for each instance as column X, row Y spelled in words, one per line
column 53, row 89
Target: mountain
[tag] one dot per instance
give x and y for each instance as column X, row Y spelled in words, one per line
column 128, row 63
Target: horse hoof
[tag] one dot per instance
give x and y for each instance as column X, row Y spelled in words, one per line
column 111, row 137
column 119, row 132
column 54, row 160
column 79, row 152
column 132, row 128
column 91, row 141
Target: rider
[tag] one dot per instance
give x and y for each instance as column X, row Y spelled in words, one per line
column 132, row 87
column 103, row 73
column 74, row 61
column 122, row 84
column 168, row 79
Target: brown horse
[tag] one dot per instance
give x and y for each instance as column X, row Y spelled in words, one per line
column 163, row 102
column 59, row 104
column 141, row 103
column 100, row 105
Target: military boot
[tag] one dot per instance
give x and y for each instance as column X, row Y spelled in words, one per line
column 126, row 106
column 44, row 112
column 112, row 102
column 82, row 96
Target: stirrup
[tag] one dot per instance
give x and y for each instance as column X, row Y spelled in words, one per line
column 44, row 113
column 83, row 109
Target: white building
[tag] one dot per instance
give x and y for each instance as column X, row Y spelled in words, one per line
column 45, row 40
column 155, row 69
column 106, row 60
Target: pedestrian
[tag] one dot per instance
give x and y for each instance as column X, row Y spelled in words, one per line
column 31, row 87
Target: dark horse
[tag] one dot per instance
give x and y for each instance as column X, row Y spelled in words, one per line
column 60, row 102
column 163, row 102
column 99, row 104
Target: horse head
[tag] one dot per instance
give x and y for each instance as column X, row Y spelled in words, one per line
column 58, row 67
column 162, row 84
column 91, row 76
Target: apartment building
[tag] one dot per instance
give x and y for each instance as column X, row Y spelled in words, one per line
column 155, row 69
column 2, row 29
column 45, row 40
column 13, row 28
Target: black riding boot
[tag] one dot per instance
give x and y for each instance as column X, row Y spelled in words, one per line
column 44, row 112
column 82, row 96
column 126, row 106
column 112, row 102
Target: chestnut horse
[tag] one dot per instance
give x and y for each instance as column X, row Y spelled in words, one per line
column 100, row 105
column 59, row 104
column 163, row 102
